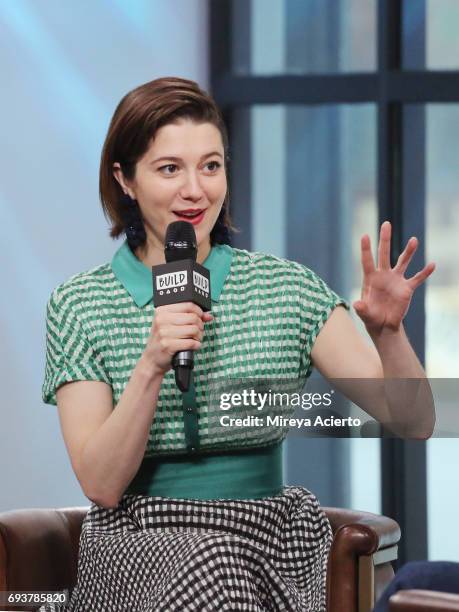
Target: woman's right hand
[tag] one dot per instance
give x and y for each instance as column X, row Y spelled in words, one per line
column 175, row 327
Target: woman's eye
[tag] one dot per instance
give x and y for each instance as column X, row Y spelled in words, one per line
column 216, row 165
column 168, row 166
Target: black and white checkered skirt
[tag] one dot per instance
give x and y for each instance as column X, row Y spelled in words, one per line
column 152, row 554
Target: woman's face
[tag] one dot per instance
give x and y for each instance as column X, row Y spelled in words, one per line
column 183, row 169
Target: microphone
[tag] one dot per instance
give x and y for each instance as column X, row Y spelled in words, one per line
column 181, row 244
column 181, row 279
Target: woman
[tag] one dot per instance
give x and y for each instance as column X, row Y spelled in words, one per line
column 188, row 515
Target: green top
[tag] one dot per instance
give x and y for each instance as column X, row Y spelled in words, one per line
column 267, row 314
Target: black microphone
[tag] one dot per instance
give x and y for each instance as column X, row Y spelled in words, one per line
column 181, row 279
column 181, row 244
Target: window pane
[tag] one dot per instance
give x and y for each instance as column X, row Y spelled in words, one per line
column 430, row 34
column 442, row 308
column 313, row 195
column 442, row 40
column 442, row 231
column 304, row 36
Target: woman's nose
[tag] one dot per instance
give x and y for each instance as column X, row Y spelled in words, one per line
column 192, row 186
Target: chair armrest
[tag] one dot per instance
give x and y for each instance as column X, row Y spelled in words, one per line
column 39, row 549
column 359, row 563
column 412, row 600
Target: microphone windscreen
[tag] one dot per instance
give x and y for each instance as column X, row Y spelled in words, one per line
column 180, row 231
column 180, row 241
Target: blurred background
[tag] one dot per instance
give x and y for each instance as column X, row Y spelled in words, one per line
column 342, row 113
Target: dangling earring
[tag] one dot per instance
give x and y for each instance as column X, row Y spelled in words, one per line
column 133, row 224
column 220, row 233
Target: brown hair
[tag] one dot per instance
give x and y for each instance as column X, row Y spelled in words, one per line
column 137, row 118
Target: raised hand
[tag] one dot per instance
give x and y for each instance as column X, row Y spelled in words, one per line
column 386, row 293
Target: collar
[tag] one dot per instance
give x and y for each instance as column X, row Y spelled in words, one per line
column 136, row 277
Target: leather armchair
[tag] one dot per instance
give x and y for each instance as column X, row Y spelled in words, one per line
column 414, row 600
column 39, row 551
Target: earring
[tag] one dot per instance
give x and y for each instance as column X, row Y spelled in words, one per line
column 133, row 223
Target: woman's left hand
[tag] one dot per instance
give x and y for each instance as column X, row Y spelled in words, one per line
column 386, row 293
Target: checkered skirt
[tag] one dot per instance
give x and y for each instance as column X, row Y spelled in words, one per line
column 152, row 554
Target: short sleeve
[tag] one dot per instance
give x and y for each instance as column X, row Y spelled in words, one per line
column 317, row 302
column 70, row 354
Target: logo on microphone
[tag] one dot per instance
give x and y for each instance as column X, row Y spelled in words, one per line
column 201, row 283
column 172, row 282
column 181, row 281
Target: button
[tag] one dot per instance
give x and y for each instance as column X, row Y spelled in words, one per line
column 189, row 409
column 192, row 449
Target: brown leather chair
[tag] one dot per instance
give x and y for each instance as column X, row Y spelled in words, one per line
column 39, row 551
column 414, row 600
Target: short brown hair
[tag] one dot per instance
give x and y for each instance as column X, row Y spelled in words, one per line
column 137, row 118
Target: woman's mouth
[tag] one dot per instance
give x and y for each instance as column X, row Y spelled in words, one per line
column 193, row 216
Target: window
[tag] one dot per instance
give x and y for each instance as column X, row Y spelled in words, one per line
column 326, row 103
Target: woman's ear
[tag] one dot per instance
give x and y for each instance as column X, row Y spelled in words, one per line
column 118, row 174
